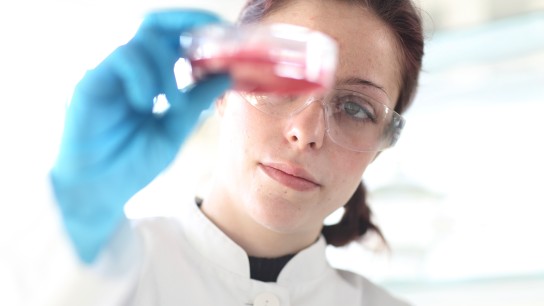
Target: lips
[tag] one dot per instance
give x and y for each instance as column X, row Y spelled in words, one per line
column 290, row 176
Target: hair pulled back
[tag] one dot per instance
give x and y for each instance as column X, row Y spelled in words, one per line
column 404, row 21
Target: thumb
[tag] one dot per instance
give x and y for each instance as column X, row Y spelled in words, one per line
column 183, row 116
column 207, row 91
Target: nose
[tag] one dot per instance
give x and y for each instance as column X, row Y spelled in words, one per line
column 307, row 128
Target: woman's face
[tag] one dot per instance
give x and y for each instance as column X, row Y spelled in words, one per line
column 285, row 173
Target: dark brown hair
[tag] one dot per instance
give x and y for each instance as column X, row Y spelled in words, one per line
column 404, row 20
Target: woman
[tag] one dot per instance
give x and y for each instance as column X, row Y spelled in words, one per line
column 257, row 238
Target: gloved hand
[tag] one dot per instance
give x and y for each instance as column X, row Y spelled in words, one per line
column 113, row 145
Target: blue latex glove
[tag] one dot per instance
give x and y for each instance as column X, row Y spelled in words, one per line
column 113, row 145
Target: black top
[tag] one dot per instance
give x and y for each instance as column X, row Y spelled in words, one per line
column 263, row 269
column 267, row 269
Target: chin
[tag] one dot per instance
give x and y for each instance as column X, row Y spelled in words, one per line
column 280, row 216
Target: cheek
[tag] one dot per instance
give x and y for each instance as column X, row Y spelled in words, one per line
column 351, row 164
column 244, row 129
column 348, row 170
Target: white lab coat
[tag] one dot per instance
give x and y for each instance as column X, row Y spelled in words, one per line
column 187, row 260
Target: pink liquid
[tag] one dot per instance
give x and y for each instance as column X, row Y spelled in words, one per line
column 254, row 73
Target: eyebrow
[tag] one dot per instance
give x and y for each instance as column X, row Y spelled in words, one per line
column 359, row 81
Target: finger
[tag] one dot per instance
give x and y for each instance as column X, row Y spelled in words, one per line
column 159, row 35
column 178, row 20
column 138, row 74
column 174, row 22
column 164, row 58
column 180, row 119
column 207, row 91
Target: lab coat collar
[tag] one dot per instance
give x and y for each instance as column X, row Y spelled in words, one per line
column 211, row 243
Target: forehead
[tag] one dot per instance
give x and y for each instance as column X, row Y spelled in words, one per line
column 367, row 46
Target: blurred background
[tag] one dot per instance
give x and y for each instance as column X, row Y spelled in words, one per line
column 459, row 198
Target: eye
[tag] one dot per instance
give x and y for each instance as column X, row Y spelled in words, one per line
column 354, row 109
column 357, row 108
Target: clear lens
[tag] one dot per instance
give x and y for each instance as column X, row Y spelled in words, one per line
column 355, row 120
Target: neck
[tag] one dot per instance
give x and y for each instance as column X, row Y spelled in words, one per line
column 256, row 239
